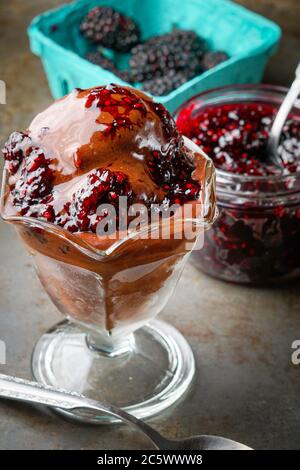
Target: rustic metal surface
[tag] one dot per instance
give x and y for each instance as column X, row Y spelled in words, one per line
column 246, row 387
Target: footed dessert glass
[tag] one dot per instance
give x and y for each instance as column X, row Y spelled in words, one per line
column 109, row 347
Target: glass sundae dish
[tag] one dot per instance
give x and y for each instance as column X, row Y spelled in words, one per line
column 109, row 199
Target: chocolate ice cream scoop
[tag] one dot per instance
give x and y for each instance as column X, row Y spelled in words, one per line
column 90, row 148
column 87, row 149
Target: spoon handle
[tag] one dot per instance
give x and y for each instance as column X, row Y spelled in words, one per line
column 283, row 113
column 14, row 388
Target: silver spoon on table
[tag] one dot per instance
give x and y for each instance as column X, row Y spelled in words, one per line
column 281, row 117
column 14, row 388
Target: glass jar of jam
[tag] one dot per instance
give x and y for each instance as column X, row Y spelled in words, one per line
column 257, row 236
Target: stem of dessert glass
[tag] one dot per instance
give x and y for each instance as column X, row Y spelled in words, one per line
column 110, row 346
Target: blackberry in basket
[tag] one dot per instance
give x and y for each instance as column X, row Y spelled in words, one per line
column 179, row 50
column 163, row 85
column 213, row 58
column 98, row 58
column 108, row 27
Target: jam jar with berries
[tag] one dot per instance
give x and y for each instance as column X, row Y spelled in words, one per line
column 257, row 236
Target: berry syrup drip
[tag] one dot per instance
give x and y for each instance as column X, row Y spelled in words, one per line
column 174, row 174
column 168, row 124
column 235, row 137
column 171, row 169
column 119, row 102
column 92, row 147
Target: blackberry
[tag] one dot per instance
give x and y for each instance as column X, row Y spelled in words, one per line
column 108, row 27
column 102, row 186
column 35, row 183
column 98, row 58
column 128, row 34
column 179, row 50
column 173, row 172
column 163, row 85
column 213, row 58
column 15, row 149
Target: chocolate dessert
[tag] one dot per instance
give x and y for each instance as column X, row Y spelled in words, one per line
column 87, row 149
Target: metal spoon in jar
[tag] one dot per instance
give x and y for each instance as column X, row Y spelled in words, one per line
column 281, row 117
column 14, row 388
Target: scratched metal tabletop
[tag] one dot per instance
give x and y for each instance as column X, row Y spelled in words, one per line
column 246, row 387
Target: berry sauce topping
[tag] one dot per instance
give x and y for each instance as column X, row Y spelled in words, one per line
column 235, row 137
column 34, row 184
column 101, row 186
column 92, row 147
column 14, row 150
column 118, row 102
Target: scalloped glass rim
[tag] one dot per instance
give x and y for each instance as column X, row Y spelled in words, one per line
column 89, row 249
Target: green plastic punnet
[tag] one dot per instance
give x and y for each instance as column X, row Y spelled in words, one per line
column 248, row 38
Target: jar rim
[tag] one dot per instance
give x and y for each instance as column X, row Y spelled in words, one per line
column 243, row 87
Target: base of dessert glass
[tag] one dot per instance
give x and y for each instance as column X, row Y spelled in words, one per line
column 148, row 376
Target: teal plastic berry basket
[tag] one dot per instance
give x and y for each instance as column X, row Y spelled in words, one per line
column 249, row 40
